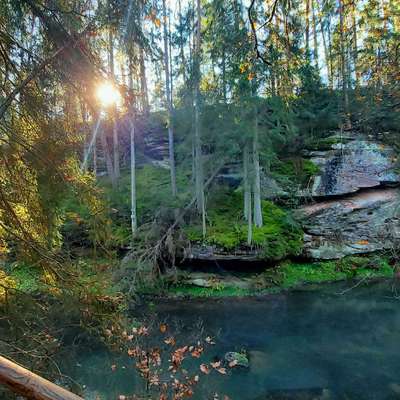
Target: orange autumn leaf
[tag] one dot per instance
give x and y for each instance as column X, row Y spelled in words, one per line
column 204, row 369
column 157, row 22
column 196, row 353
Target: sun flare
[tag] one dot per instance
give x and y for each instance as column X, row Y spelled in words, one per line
column 108, row 94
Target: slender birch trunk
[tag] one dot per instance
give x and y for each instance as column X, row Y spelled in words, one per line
column 325, row 44
column 355, row 44
column 258, row 219
column 107, row 156
column 133, row 158
column 315, row 35
column 308, row 29
column 246, row 182
column 197, row 132
column 343, row 62
column 143, row 82
column 114, row 110
column 169, row 103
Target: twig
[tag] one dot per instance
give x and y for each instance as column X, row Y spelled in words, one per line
column 356, row 285
column 254, row 30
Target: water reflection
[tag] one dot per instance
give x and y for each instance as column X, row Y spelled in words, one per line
column 309, row 344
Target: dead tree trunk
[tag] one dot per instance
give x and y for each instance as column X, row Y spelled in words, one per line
column 30, row 385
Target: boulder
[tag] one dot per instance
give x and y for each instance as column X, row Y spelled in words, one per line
column 353, row 165
column 361, row 223
column 213, row 253
column 239, row 359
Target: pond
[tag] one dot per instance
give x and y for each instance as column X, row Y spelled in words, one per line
column 330, row 342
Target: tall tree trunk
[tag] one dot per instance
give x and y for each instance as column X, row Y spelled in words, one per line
column 246, row 181
column 95, row 157
column 355, row 44
column 86, row 137
column 133, row 156
column 343, row 63
column 107, row 156
column 143, row 82
column 169, row 103
column 114, row 109
column 171, row 69
column 247, row 206
column 315, row 35
column 197, row 132
column 326, row 48
column 258, row 219
column 308, row 29
column 224, row 75
column 133, row 176
column 181, row 49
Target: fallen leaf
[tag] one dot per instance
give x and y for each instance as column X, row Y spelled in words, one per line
column 143, row 331
column 196, row 353
column 209, row 340
column 222, row 371
column 163, row 328
column 170, row 341
column 204, row 369
column 233, row 363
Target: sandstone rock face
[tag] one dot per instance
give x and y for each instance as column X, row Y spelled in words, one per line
column 356, row 205
column 349, row 167
column 361, row 223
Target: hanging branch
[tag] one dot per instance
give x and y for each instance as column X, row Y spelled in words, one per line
column 254, row 30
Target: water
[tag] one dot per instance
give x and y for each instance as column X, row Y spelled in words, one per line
column 345, row 346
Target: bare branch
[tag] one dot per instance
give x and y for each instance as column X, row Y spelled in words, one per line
column 254, row 30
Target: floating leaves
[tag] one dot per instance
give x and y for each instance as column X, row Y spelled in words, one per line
column 205, row 369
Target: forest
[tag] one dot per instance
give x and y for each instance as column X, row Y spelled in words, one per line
column 193, row 193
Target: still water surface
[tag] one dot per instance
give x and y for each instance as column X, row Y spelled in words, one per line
column 343, row 345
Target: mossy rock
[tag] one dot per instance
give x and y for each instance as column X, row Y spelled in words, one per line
column 279, row 237
column 294, row 170
column 237, row 359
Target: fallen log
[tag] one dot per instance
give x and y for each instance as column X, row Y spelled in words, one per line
column 29, row 385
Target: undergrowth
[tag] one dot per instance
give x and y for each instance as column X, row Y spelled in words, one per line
column 279, row 237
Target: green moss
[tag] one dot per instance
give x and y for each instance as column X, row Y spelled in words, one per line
column 153, row 192
column 279, row 237
column 295, row 274
column 322, row 144
column 28, row 278
column 295, row 169
column 195, row 291
column 310, row 169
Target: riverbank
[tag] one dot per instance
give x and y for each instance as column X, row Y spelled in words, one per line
column 283, row 277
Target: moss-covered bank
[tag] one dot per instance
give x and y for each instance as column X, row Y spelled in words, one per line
column 279, row 237
column 289, row 275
